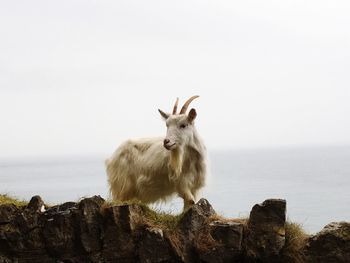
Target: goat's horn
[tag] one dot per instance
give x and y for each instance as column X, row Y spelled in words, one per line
column 175, row 106
column 187, row 103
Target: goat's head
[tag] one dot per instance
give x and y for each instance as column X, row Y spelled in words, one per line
column 180, row 127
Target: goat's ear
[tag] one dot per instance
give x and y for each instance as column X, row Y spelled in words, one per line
column 164, row 115
column 192, row 115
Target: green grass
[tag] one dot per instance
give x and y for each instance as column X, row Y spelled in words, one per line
column 109, row 203
column 6, row 199
column 164, row 220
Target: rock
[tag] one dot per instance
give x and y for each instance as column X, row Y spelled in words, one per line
column 22, row 239
column 266, row 230
column 194, row 218
column 90, row 232
column 118, row 227
column 229, row 234
column 36, row 204
column 154, row 246
column 90, row 223
column 4, row 259
column 59, row 230
column 7, row 213
column 191, row 222
column 330, row 245
column 226, row 244
column 220, row 255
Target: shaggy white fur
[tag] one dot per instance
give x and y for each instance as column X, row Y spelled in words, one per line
column 154, row 169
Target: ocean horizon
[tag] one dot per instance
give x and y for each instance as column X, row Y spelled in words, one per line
column 314, row 180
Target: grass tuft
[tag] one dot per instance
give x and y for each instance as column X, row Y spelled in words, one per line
column 6, row 199
column 161, row 219
column 217, row 217
column 204, row 242
column 296, row 237
column 156, row 218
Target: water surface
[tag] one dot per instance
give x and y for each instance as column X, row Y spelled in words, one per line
column 314, row 181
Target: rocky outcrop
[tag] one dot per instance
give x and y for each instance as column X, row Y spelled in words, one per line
column 93, row 231
column 330, row 245
column 266, row 230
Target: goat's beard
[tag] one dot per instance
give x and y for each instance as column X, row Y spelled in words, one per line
column 176, row 159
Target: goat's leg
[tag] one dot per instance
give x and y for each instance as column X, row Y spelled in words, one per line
column 183, row 188
column 188, row 204
column 188, row 198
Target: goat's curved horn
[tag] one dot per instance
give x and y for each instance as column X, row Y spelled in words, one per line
column 175, row 106
column 187, row 103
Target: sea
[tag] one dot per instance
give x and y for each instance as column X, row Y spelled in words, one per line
column 315, row 181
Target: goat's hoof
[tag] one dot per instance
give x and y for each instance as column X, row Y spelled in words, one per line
column 188, row 205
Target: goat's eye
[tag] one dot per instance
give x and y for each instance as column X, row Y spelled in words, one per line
column 183, row 126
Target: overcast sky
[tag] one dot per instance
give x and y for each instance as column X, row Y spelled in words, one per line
column 79, row 77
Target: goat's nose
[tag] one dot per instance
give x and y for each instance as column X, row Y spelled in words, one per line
column 166, row 141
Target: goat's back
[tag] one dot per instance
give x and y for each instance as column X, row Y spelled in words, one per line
column 138, row 169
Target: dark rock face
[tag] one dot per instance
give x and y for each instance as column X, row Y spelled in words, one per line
column 89, row 231
column 22, row 237
column 7, row 213
column 229, row 234
column 195, row 217
column 36, row 204
column 266, row 230
column 118, row 229
column 59, row 232
column 90, row 224
column 154, row 246
column 330, row 245
column 190, row 224
column 226, row 244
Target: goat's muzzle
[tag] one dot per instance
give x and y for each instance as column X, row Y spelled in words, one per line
column 167, row 145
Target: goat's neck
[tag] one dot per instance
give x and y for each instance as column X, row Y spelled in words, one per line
column 177, row 155
column 196, row 144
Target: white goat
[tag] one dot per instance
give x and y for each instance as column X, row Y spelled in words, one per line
column 154, row 169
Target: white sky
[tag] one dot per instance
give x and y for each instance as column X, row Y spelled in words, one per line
column 79, row 77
